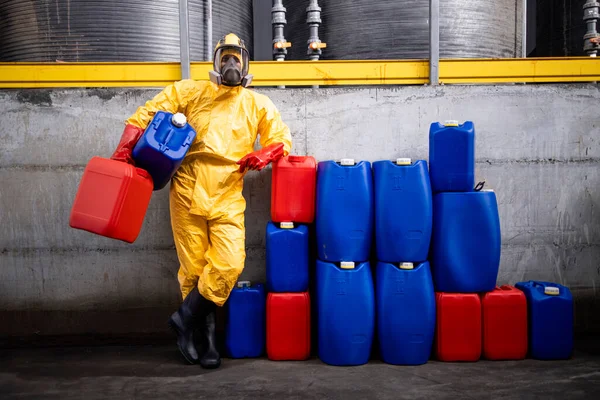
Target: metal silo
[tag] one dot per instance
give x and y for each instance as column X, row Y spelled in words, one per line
column 113, row 30
column 388, row 29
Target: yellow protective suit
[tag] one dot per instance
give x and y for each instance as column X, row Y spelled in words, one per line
column 206, row 202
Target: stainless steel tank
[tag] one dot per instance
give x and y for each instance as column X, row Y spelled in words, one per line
column 113, row 30
column 399, row 29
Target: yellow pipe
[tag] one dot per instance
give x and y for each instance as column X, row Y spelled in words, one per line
column 305, row 73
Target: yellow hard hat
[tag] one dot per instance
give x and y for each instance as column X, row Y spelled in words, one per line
column 231, row 39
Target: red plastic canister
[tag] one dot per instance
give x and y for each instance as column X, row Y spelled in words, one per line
column 504, row 324
column 288, row 326
column 112, row 199
column 458, row 327
column 293, row 189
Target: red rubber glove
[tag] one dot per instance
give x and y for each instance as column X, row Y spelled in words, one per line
column 261, row 158
column 131, row 135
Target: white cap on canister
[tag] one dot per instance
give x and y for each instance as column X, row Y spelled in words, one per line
column 179, row 120
column 551, row 291
column 242, row 284
column 347, row 265
column 347, row 161
column 286, row 225
column 407, row 265
column 403, row 161
column 451, row 122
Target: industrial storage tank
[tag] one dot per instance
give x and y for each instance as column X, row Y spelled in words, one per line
column 399, row 29
column 114, row 30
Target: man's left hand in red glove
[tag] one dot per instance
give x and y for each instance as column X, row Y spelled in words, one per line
column 259, row 159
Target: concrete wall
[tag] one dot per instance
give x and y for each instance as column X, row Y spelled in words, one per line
column 537, row 146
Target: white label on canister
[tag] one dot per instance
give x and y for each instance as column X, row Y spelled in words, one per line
column 551, row 291
column 242, row 284
column 347, row 265
column 407, row 265
column 286, row 225
column 347, row 161
column 403, row 161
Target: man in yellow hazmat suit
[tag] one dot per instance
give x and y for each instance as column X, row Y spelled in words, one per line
column 206, row 202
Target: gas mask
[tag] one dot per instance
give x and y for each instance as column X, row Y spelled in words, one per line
column 231, row 71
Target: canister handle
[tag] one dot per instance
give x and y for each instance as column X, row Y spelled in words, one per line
column 143, row 173
column 295, row 159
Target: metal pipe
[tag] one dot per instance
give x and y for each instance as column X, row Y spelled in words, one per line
column 313, row 20
column 209, row 30
column 591, row 14
column 434, row 42
column 278, row 21
column 184, row 39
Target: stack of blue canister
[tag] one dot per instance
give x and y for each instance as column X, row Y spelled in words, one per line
column 345, row 292
column 465, row 248
column 405, row 295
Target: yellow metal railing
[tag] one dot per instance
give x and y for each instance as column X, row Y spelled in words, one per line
column 306, row 73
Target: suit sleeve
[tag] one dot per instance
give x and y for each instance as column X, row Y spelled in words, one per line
column 272, row 129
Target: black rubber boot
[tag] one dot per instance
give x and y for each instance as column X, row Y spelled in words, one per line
column 183, row 321
column 211, row 358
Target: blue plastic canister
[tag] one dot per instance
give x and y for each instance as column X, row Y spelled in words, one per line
column 403, row 210
column 344, row 220
column 452, row 156
column 245, row 321
column 345, row 312
column 465, row 248
column 405, row 312
column 163, row 146
column 550, row 319
column 287, row 257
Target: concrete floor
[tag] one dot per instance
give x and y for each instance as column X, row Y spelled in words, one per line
column 156, row 371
